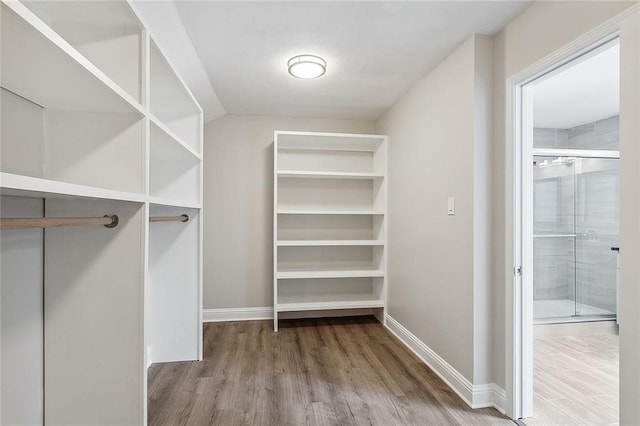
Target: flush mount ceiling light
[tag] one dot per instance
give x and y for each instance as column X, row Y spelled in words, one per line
column 307, row 66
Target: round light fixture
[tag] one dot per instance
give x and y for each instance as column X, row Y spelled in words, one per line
column 307, row 66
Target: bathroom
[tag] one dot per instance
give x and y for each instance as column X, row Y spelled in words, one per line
column 574, row 239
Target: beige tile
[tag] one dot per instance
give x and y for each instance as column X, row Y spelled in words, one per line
column 575, row 380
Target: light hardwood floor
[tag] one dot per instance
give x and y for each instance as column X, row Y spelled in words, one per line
column 312, row 372
column 575, row 380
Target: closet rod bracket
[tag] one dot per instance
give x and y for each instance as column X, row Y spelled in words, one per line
column 114, row 221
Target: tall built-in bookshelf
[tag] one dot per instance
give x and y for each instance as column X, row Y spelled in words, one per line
column 330, row 205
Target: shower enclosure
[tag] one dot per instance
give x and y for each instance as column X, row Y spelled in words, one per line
column 575, row 226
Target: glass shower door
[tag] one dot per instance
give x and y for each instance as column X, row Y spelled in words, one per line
column 575, row 224
column 554, row 238
column 597, row 230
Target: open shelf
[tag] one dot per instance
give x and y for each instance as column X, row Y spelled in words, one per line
column 313, row 243
column 170, row 142
column 334, row 259
column 43, row 68
column 98, row 149
column 327, row 175
column 25, row 186
column 62, row 118
column 328, row 302
column 327, row 162
column 327, row 155
column 328, row 141
column 329, row 194
column 172, row 103
column 329, row 212
column 346, row 273
column 322, row 227
column 157, row 201
column 107, row 33
column 174, row 170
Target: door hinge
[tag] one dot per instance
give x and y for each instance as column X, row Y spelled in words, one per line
column 517, row 270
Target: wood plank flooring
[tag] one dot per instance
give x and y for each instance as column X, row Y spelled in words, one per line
column 575, row 380
column 347, row 371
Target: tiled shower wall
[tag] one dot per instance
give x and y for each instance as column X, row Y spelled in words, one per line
column 591, row 205
column 602, row 134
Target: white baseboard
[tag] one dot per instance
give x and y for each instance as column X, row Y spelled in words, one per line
column 237, row 314
column 489, row 395
column 476, row 396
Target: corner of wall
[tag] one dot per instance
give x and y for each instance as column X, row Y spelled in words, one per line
column 498, row 213
column 475, row 396
column 482, row 208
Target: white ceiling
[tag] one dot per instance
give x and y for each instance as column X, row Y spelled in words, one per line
column 375, row 50
column 584, row 93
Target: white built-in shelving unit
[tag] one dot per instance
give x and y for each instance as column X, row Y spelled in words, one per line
column 94, row 121
column 330, row 203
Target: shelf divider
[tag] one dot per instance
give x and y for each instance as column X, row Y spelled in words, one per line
column 322, row 243
column 327, row 175
column 331, row 212
column 314, row 303
column 312, row 274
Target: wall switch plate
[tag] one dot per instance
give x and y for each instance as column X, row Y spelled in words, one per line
column 451, row 206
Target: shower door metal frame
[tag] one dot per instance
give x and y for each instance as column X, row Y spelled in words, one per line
column 578, row 153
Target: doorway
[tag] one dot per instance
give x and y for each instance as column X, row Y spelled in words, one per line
column 570, row 239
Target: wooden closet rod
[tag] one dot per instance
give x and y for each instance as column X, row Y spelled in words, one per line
column 181, row 218
column 109, row 221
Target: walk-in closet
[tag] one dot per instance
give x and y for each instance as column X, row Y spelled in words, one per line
column 319, row 213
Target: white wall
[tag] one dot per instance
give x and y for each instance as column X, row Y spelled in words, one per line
column 238, row 205
column 439, row 265
column 542, row 29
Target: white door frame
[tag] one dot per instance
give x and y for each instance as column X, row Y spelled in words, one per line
column 519, row 318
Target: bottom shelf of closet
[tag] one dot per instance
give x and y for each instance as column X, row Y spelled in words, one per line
column 328, row 302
